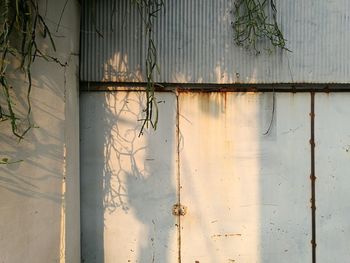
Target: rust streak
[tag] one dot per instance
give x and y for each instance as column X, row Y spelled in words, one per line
column 224, row 94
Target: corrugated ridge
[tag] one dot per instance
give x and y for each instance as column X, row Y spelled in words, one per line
column 195, row 43
column 111, row 41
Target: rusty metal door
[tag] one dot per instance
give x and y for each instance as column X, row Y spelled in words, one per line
column 225, row 178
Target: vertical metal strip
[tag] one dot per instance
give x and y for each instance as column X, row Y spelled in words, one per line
column 178, row 172
column 313, row 178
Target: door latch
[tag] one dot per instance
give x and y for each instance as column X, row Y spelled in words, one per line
column 179, row 210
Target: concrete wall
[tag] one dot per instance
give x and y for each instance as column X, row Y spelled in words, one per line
column 39, row 197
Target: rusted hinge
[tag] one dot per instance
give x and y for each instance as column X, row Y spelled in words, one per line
column 179, row 210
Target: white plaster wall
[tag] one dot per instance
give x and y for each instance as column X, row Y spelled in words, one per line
column 39, row 197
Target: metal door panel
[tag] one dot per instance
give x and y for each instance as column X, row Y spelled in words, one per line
column 332, row 160
column 128, row 183
column 247, row 194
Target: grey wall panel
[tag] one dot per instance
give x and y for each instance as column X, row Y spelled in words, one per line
column 128, row 183
column 195, row 43
column 332, row 131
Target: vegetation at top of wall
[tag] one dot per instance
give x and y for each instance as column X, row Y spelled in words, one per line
column 256, row 21
column 20, row 26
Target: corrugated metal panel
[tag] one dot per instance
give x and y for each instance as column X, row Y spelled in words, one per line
column 111, row 38
column 195, row 43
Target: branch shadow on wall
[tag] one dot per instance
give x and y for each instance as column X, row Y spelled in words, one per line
column 127, row 181
column 32, row 186
column 257, row 165
column 36, row 159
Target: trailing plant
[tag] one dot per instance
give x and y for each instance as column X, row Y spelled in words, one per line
column 256, row 20
column 20, row 25
column 149, row 10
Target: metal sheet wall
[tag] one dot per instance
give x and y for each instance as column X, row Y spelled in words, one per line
column 332, row 171
column 246, row 192
column 128, row 183
column 195, row 43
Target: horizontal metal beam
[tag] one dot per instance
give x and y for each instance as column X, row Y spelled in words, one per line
column 202, row 87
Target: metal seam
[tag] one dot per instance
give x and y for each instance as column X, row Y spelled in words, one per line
column 313, row 178
column 178, row 172
column 281, row 87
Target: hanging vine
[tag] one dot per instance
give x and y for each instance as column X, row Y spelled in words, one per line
column 256, row 20
column 149, row 10
column 20, row 25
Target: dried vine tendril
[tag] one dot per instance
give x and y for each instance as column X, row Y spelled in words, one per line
column 256, row 20
column 149, row 10
column 20, row 25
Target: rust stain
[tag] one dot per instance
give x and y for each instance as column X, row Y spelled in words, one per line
column 226, row 235
column 327, row 90
column 179, row 210
column 224, row 101
column 212, row 103
column 204, row 101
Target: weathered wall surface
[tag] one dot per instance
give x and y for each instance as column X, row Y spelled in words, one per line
column 332, row 169
column 246, row 191
column 195, row 43
column 128, row 183
column 39, row 197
